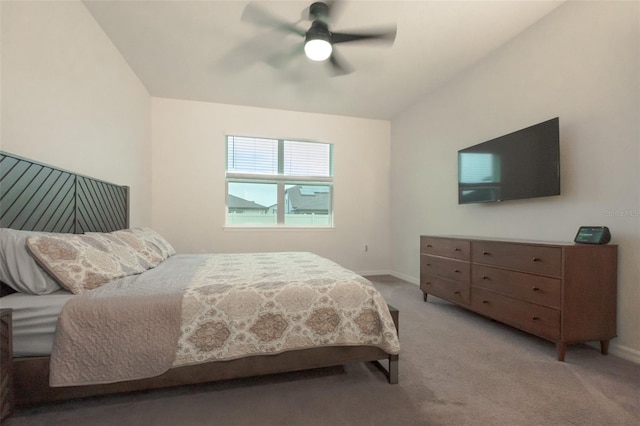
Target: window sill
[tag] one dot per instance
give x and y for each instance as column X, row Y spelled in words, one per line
column 278, row 228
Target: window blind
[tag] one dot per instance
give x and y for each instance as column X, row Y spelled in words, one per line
column 252, row 155
column 307, row 159
column 279, row 157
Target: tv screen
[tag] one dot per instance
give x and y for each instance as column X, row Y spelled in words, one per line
column 522, row 164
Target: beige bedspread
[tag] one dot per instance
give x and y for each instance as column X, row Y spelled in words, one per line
column 218, row 307
column 115, row 338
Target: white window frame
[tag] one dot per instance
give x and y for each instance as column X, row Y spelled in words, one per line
column 281, row 180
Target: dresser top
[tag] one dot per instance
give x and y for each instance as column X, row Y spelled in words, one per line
column 515, row 240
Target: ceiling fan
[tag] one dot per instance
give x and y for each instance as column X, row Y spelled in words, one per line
column 319, row 40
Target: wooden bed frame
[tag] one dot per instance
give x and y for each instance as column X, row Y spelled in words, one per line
column 38, row 197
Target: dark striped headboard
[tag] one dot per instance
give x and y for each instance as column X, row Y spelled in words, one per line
column 39, row 197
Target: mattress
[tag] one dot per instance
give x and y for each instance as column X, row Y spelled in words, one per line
column 35, row 317
column 34, row 321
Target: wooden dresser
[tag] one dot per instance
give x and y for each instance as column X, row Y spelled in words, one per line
column 565, row 293
column 6, row 364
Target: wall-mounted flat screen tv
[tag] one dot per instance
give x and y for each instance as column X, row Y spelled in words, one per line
column 522, row 164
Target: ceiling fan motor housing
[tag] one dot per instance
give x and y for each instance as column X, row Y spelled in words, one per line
column 318, row 31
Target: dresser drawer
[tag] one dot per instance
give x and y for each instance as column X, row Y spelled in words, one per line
column 449, row 268
column 530, row 288
column 541, row 260
column 446, row 247
column 536, row 319
column 454, row 291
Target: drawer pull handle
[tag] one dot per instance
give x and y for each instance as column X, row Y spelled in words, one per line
column 457, row 271
column 534, row 288
column 429, row 246
column 536, row 259
column 486, row 253
column 456, row 292
column 485, row 302
column 484, row 277
column 456, row 249
column 535, row 318
column 428, row 283
column 429, row 265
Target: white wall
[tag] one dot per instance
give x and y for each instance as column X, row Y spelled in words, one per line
column 188, row 167
column 70, row 100
column 580, row 63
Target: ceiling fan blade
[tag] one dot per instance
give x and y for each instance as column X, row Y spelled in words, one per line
column 251, row 51
column 384, row 36
column 258, row 16
column 281, row 60
column 339, row 66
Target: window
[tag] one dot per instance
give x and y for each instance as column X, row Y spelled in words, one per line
column 275, row 182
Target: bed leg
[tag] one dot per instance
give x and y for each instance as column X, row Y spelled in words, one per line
column 392, row 373
column 393, row 369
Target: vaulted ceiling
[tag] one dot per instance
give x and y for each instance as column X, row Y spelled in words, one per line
column 204, row 50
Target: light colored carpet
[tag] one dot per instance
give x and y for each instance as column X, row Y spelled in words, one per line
column 456, row 368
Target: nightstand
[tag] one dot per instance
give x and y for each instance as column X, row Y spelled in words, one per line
column 6, row 364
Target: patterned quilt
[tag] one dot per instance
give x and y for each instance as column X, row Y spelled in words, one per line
column 250, row 304
column 215, row 307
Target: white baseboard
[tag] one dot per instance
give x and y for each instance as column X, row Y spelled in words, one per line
column 412, row 280
column 373, row 273
column 624, row 352
column 407, row 278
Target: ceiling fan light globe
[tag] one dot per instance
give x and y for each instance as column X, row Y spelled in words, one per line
column 318, row 49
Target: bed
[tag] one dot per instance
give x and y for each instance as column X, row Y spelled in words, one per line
column 48, row 207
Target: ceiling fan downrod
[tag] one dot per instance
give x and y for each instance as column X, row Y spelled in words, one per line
column 318, row 10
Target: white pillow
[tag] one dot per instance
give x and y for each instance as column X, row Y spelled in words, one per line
column 18, row 269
